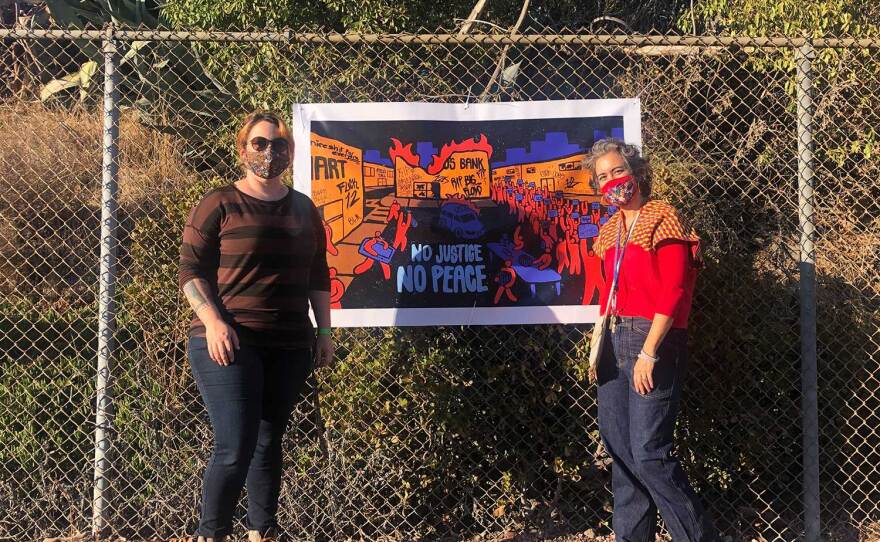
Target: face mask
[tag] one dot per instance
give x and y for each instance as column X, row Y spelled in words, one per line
column 620, row 191
column 267, row 163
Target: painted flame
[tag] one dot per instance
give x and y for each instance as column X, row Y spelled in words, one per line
column 405, row 152
column 473, row 144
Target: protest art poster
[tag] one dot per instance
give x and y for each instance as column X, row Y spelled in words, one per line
column 459, row 214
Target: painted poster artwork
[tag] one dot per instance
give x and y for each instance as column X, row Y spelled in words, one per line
column 465, row 214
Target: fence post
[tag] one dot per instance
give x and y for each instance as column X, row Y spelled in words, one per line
column 809, row 366
column 107, row 282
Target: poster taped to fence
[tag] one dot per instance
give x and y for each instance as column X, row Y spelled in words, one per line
column 459, row 214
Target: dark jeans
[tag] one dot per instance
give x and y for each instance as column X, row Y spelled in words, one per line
column 637, row 431
column 249, row 403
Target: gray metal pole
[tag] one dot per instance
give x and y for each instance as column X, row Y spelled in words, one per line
column 809, row 363
column 107, row 281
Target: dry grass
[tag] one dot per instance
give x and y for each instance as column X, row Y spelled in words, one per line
column 850, row 251
column 50, row 195
column 48, row 156
column 55, row 155
column 871, row 533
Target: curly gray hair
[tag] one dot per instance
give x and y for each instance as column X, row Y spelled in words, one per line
column 637, row 164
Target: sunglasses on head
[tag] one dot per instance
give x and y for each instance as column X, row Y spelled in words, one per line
column 279, row 144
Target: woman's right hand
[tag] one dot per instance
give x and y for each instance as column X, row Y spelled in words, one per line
column 222, row 341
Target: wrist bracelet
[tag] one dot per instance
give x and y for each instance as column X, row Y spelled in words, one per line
column 645, row 355
column 324, row 331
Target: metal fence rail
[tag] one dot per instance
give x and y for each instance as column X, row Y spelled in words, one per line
column 769, row 145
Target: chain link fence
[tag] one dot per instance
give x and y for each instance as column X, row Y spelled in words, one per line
column 108, row 137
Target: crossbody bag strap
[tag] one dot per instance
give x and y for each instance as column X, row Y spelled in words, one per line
column 619, row 251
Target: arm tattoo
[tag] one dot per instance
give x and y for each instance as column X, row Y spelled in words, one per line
column 194, row 296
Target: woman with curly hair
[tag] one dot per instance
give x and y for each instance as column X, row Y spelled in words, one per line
column 650, row 260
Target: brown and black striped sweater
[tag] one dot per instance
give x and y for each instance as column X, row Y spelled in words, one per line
column 261, row 259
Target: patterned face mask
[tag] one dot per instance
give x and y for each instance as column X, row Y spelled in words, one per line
column 620, row 191
column 267, row 163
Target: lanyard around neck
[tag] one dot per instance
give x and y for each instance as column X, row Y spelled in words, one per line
column 618, row 259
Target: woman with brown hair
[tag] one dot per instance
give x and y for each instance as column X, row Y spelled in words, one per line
column 252, row 260
column 650, row 261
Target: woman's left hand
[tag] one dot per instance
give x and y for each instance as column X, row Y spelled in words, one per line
column 643, row 376
column 324, row 351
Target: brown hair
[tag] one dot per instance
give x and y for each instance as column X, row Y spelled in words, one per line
column 631, row 154
column 260, row 116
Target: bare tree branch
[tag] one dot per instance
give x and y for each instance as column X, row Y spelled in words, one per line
column 500, row 65
column 478, row 8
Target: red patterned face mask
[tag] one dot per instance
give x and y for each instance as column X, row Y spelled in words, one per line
column 620, row 191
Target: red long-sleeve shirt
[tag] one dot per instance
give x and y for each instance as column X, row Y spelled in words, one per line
column 659, row 268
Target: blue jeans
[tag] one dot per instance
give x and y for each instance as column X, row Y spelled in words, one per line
column 249, row 403
column 637, row 432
